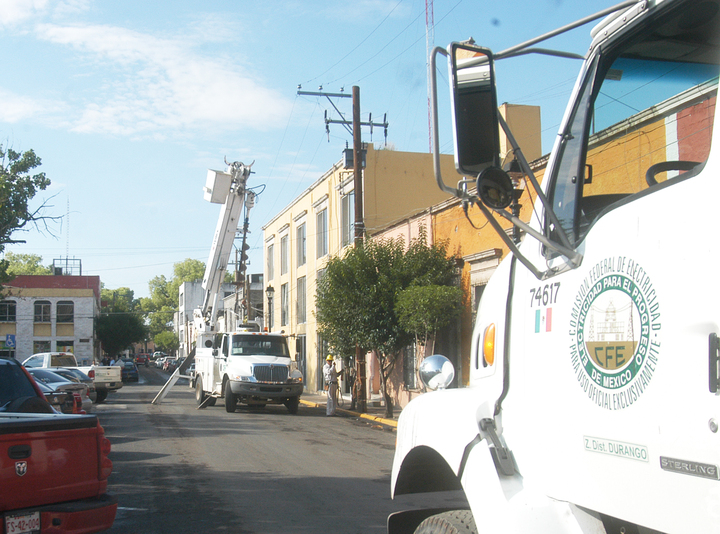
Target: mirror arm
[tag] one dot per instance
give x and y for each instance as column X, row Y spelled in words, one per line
column 568, row 27
column 459, row 193
column 574, row 257
column 546, row 52
column 509, row 242
column 565, row 248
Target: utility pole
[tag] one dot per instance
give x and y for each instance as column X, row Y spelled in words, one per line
column 358, row 186
column 359, row 232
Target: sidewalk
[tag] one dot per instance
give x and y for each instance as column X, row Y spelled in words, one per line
column 375, row 412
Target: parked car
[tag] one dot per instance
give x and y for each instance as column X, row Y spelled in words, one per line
column 53, row 383
column 169, row 364
column 54, row 467
column 142, row 359
column 77, row 375
column 130, row 371
column 158, row 354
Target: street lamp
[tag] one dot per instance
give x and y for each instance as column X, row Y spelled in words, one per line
column 270, row 291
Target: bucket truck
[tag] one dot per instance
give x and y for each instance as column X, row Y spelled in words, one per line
column 242, row 365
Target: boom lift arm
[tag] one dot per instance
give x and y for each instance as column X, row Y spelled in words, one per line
column 228, row 188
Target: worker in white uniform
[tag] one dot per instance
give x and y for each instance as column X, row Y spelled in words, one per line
column 330, row 374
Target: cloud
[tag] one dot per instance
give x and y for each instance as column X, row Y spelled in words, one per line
column 15, row 11
column 14, row 108
column 152, row 84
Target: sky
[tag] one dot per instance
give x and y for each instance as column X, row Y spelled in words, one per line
column 128, row 104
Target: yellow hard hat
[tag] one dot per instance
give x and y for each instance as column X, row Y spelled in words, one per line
column 329, row 357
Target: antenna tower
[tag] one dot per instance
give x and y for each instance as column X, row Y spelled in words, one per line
column 429, row 44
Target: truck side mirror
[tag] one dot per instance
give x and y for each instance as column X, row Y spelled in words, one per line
column 474, row 109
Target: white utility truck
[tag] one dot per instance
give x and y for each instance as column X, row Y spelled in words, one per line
column 239, row 366
column 593, row 403
column 249, row 367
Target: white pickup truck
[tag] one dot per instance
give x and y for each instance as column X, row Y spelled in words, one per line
column 106, row 378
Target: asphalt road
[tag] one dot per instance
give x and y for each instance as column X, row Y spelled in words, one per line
column 177, row 469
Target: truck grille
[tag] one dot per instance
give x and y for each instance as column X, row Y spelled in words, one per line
column 270, row 373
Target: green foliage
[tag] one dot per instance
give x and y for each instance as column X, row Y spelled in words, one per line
column 118, row 300
column 117, row 331
column 163, row 302
column 424, row 310
column 357, row 296
column 26, row 264
column 166, row 341
column 17, row 188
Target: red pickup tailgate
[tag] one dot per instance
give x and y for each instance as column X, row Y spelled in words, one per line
column 48, row 459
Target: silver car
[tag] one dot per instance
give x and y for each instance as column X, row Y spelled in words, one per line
column 60, row 384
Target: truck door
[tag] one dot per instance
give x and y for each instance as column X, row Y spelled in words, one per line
column 613, row 409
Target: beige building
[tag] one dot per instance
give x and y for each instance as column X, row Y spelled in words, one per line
column 44, row 313
column 319, row 224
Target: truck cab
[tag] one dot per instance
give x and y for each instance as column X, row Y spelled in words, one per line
column 254, row 368
column 593, row 402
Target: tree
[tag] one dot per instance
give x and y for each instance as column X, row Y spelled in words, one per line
column 17, row 188
column 425, row 310
column 166, row 341
column 26, row 264
column 356, row 297
column 163, row 302
column 117, row 331
column 121, row 299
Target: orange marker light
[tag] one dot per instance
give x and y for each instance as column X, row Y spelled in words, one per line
column 489, row 345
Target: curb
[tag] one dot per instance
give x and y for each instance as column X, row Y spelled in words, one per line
column 375, row 418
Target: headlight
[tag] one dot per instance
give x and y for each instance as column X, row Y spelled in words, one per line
column 243, row 378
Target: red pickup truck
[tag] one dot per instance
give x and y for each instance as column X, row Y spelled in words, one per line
column 54, row 468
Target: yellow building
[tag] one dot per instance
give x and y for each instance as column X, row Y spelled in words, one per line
column 319, row 224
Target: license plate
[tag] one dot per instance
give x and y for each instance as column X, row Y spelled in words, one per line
column 23, row 524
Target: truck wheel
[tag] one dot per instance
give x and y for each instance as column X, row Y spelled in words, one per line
column 101, row 396
column 292, row 404
column 454, row 522
column 199, row 393
column 230, row 399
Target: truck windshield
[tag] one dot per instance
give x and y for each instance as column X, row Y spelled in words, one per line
column 255, row 345
column 644, row 116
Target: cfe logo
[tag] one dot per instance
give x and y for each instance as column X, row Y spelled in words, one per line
column 615, row 328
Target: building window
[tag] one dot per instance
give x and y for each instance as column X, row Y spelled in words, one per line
column 42, row 311
column 65, row 311
column 284, row 254
column 410, row 367
column 270, row 262
column 301, row 298
column 301, row 244
column 284, row 308
column 41, row 346
column 322, row 233
column 7, row 311
column 348, row 218
column 477, row 292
